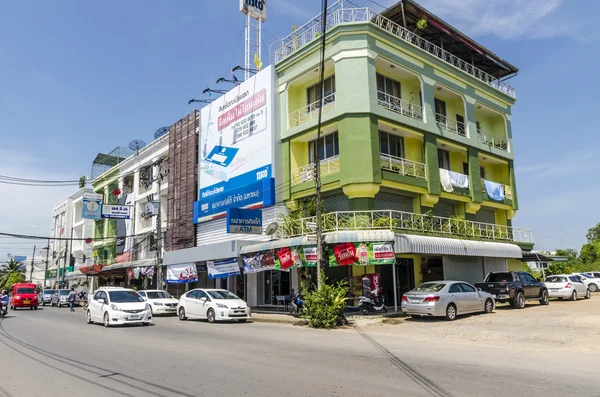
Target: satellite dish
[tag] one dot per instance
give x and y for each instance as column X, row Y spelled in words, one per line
column 272, row 228
column 160, row 132
column 136, row 145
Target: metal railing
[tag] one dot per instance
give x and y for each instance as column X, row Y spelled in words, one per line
column 403, row 166
column 399, row 221
column 453, row 126
column 311, row 110
column 337, row 15
column 328, row 166
column 492, row 140
column 399, row 105
column 507, row 189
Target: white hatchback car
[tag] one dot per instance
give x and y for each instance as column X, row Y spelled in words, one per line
column 212, row 305
column 118, row 306
column 566, row 286
column 161, row 302
column 591, row 282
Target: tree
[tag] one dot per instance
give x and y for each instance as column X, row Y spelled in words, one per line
column 324, row 307
column 570, row 253
column 13, row 278
column 593, row 234
column 9, row 269
column 590, row 253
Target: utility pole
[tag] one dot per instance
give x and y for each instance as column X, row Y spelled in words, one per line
column 47, row 258
column 64, row 265
column 159, row 236
column 32, row 259
column 317, row 157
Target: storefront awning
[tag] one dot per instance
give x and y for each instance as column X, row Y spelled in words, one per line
column 124, row 265
column 276, row 244
column 74, row 275
column 405, row 243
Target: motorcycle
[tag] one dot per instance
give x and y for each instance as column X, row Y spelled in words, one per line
column 3, row 309
column 372, row 304
column 296, row 307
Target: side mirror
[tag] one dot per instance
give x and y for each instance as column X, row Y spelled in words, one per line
column 478, row 289
column 101, row 300
column 203, row 299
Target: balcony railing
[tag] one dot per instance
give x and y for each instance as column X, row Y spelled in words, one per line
column 337, row 14
column 403, row 166
column 399, row 105
column 399, row 221
column 328, row 166
column 310, row 111
column 453, row 126
column 507, row 190
column 492, row 140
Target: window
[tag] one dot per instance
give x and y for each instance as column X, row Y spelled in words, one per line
column 328, row 147
column 482, row 172
column 556, row 279
column 142, row 294
column 440, row 109
column 222, row 294
column 454, row 288
column 124, row 297
column 201, row 294
column 192, row 294
column 388, row 86
column 97, row 295
column 478, row 124
column 575, row 279
column 527, row 278
column 430, row 287
column 391, row 144
column 25, row 290
column 159, row 295
column 460, row 125
column 466, row 168
column 499, row 277
column 313, row 93
column 596, row 275
column 444, row 159
column 467, row 288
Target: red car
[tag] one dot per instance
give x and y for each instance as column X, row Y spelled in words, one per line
column 24, row 295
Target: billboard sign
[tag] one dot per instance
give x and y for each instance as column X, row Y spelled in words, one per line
column 244, row 221
column 236, row 145
column 223, row 268
column 182, row 273
column 116, row 211
column 362, row 254
column 20, row 259
column 92, row 206
column 257, row 9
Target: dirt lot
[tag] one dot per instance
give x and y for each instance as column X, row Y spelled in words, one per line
column 573, row 325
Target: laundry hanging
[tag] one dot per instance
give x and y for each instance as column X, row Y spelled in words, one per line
column 495, row 191
column 445, row 181
column 459, row 180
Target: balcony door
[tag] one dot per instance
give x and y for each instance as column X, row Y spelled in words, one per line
column 315, row 92
column 327, row 147
column 390, row 144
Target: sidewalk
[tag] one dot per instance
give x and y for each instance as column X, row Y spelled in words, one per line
column 284, row 318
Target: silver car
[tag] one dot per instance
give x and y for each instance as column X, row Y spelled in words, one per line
column 60, row 298
column 446, row 299
column 45, row 296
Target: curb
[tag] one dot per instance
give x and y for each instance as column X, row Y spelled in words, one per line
column 273, row 321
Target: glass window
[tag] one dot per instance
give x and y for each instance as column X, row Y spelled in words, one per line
column 313, row 93
column 391, row 144
column 222, row 294
column 430, row 287
column 440, row 109
column 454, row 288
column 201, row 294
column 329, row 146
column 460, row 125
column 482, row 172
column 388, row 86
column 467, row 288
column 530, row 278
column 124, row 296
column 466, row 168
column 97, row 295
column 25, row 290
column 596, row 275
column 64, row 292
column 192, row 294
column 499, row 277
column 444, row 159
column 556, row 279
column 478, row 125
column 575, row 279
column 159, row 295
column 142, row 294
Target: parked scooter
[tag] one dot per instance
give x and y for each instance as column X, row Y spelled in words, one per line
column 296, row 307
column 375, row 303
column 3, row 310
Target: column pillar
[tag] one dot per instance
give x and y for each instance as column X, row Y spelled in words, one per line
column 475, row 187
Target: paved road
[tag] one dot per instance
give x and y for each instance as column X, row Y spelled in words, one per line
column 53, row 352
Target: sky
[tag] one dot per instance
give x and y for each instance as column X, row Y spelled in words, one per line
column 78, row 78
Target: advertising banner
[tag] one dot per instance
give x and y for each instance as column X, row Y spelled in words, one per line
column 257, row 9
column 20, row 259
column 117, row 211
column 182, row 273
column 282, row 259
column 244, row 221
column 236, row 145
column 223, row 268
column 121, row 231
column 362, row 254
column 92, row 206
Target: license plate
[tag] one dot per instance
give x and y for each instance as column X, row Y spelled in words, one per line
column 554, row 290
column 414, row 300
column 26, row 302
column 134, row 317
column 171, row 309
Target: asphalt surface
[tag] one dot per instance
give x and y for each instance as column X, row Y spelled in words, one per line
column 53, row 352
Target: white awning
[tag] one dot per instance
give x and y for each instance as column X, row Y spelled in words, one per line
column 407, row 243
column 140, row 263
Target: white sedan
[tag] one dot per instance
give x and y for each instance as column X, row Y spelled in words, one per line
column 566, row 286
column 589, row 281
column 212, row 305
column 161, row 302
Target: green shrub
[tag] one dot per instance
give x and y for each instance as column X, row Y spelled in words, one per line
column 324, row 308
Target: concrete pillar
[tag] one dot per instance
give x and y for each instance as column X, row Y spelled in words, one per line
column 475, row 187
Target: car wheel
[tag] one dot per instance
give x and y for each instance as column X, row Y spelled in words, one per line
column 593, row 287
column 106, row 321
column 545, row 298
column 43, row 303
column 364, row 310
column 88, row 317
column 587, row 294
column 210, row 316
column 51, row 304
column 35, row 308
column 574, row 296
column 519, row 301
column 30, row 307
column 182, row 316
column 451, row 312
column 145, row 324
column 243, row 320
column 489, row 306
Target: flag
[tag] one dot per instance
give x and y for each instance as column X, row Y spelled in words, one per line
column 257, row 61
column 136, row 273
column 149, row 271
column 235, row 78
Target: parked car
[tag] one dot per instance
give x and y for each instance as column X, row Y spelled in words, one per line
column 161, row 302
column 23, row 295
column 567, row 286
column 590, row 281
column 212, row 305
column 118, row 306
column 514, row 287
column 45, row 296
column 60, row 298
column 446, row 299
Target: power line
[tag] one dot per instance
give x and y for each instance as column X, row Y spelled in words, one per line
column 24, row 236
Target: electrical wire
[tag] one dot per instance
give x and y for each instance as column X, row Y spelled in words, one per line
column 29, row 237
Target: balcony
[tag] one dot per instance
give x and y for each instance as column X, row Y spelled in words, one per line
column 454, row 127
column 492, row 140
column 399, row 106
column 507, row 190
column 306, row 173
column 403, row 222
column 403, row 166
column 337, row 15
column 311, row 111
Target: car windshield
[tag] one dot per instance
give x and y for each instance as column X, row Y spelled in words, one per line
column 48, row 291
column 64, row 292
column 587, row 275
column 556, row 279
column 124, row 296
column 222, row 294
column 430, row 287
column 158, row 295
column 25, row 290
column 499, row 277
